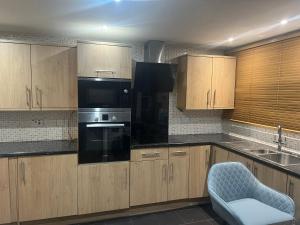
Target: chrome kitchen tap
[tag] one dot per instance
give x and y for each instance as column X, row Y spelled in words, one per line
column 279, row 140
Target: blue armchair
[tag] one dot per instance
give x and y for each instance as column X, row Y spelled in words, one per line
column 240, row 199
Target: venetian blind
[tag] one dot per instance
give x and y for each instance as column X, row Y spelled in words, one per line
column 268, row 85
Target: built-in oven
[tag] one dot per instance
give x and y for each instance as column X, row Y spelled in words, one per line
column 104, row 136
column 104, row 93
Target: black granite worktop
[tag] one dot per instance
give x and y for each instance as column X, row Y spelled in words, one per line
column 225, row 141
column 32, row 148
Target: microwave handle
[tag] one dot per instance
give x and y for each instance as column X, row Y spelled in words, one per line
column 106, row 125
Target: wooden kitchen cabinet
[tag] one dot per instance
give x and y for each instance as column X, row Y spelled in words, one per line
column 219, row 155
column 270, row 177
column 178, row 187
column 223, row 83
column 194, row 82
column 148, row 182
column 54, row 79
column 5, row 205
column 47, row 187
column 15, row 77
column 104, row 60
column 293, row 187
column 233, row 157
column 103, row 187
column 199, row 166
column 205, row 82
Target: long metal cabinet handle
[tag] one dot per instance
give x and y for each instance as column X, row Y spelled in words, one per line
column 106, row 125
column 151, row 155
column 37, row 96
column 171, row 172
column 208, row 98
column 105, row 71
column 291, row 189
column 255, row 171
column 41, row 98
column 214, row 101
column 126, row 179
column 207, row 155
column 178, row 153
column 28, row 97
column 164, row 171
column 22, row 172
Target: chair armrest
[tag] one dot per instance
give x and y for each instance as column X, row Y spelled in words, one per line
column 221, row 207
column 274, row 198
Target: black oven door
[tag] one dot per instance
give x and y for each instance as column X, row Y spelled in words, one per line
column 103, row 93
column 104, row 142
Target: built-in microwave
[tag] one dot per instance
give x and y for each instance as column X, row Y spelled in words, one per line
column 104, row 93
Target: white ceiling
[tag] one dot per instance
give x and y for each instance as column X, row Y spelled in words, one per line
column 203, row 22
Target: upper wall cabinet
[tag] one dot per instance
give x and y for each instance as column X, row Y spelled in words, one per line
column 54, row 80
column 15, row 76
column 205, row 82
column 104, row 60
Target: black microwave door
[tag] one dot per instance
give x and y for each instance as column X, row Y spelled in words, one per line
column 104, row 142
column 103, row 94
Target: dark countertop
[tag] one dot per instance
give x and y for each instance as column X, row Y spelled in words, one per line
column 32, row 148
column 230, row 143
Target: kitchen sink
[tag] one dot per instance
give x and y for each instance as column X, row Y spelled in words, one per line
column 262, row 151
column 283, row 159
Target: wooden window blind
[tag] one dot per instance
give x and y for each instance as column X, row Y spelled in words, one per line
column 268, row 85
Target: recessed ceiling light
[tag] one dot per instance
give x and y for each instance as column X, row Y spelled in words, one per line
column 104, row 27
column 283, row 22
column 231, row 39
column 117, row 0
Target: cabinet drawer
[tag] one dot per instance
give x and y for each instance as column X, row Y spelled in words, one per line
column 149, row 154
column 178, row 152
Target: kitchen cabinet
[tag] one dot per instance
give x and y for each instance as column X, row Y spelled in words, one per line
column 223, row 83
column 270, row 177
column 199, row 157
column 103, row 187
column 233, row 157
column 178, row 173
column 47, row 187
column 15, row 76
column 219, row 155
column 293, row 187
column 5, row 205
column 205, row 82
column 148, row 182
column 105, row 60
column 54, row 79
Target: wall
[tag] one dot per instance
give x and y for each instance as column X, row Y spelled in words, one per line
column 62, row 125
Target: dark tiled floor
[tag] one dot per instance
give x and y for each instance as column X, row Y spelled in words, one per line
column 198, row 215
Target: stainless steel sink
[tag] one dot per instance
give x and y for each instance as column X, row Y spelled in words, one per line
column 262, row 151
column 283, row 159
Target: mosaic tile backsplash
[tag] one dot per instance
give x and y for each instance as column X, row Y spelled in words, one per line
column 261, row 134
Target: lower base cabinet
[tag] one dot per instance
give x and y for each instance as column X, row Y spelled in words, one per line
column 293, row 187
column 5, row 205
column 233, row 157
column 148, row 182
column 219, row 155
column 271, row 177
column 47, row 187
column 199, row 166
column 103, row 187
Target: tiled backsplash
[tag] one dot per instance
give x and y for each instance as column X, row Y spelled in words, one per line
column 36, row 126
column 262, row 134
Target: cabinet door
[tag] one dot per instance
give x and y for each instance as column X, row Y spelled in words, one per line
column 270, row 177
column 199, row 72
column 5, row 213
column 148, row 182
column 232, row 157
column 103, row 187
column 54, row 79
column 223, row 83
column 219, row 155
column 15, row 77
column 47, row 187
column 107, row 61
column 199, row 165
column 293, row 187
column 178, row 174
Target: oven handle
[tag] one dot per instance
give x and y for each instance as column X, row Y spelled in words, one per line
column 106, row 125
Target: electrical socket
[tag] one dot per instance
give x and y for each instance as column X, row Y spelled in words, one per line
column 38, row 122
